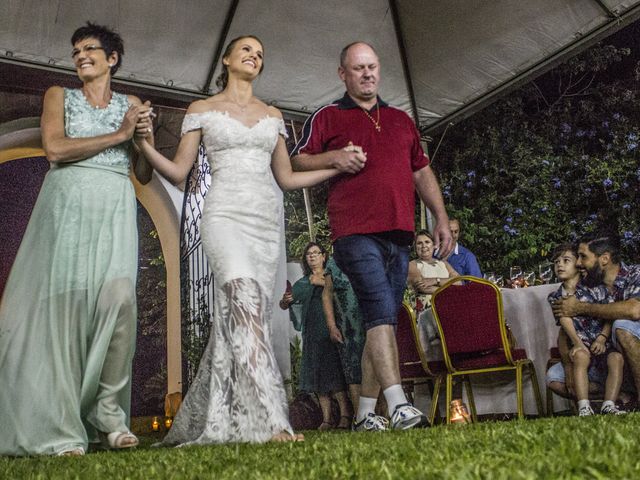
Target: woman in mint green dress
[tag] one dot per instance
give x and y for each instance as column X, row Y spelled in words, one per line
column 68, row 312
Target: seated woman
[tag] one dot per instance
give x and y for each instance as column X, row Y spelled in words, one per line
column 426, row 274
column 321, row 371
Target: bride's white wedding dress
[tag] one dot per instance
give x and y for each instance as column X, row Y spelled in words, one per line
column 238, row 393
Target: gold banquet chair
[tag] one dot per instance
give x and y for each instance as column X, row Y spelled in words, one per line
column 475, row 338
column 414, row 368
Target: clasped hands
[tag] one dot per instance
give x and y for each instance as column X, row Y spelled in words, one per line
column 351, row 159
column 138, row 122
column 144, row 120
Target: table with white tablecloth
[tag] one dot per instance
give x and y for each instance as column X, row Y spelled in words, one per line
column 528, row 314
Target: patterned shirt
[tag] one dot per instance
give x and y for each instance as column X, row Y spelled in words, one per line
column 625, row 286
column 587, row 328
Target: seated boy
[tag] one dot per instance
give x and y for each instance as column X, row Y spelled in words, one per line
column 592, row 355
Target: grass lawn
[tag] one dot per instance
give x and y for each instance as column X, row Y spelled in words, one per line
column 556, row 448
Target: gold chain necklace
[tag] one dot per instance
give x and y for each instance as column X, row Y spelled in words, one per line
column 376, row 121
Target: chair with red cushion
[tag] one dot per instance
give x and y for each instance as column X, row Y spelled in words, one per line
column 475, row 338
column 414, row 368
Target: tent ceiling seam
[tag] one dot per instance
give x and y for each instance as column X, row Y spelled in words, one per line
column 206, row 88
column 405, row 63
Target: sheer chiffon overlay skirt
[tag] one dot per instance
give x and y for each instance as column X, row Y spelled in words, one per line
column 68, row 315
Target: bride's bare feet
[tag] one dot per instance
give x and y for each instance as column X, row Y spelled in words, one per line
column 287, row 437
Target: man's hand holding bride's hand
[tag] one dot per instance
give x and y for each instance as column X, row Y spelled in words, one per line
column 350, row 159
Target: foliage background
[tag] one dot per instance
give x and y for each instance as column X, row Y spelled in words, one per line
column 149, row 382
column 555, row 159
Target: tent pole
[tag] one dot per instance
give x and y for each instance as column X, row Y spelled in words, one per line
column 395, row 15
column 423, row 207
column 305, row 193
column 221, row 44
column 428, row 222
column 440, row 141
column 307, row 207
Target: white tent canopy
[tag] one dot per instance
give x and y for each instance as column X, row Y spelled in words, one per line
column 441, row 59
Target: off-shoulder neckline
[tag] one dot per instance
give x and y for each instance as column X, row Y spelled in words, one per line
column 227, row 115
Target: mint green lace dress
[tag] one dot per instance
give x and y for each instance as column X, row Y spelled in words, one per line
column 68, row 312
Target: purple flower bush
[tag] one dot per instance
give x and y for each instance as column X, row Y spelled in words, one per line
column 552, row 168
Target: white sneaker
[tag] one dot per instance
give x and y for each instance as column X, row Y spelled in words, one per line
column 612, row 410
column 586, row 411
column 407, row 416
column 370, row 423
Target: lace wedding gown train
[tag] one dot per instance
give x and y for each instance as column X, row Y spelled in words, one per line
column 238, row 394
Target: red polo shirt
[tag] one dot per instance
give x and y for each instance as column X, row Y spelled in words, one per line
column 381, row 197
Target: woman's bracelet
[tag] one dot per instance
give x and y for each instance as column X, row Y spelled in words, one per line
column 603, row 335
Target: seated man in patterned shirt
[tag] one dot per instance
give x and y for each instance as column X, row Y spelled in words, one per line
column 615, row 287
column 591, row 358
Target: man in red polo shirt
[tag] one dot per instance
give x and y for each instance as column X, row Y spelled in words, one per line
column 371, row 210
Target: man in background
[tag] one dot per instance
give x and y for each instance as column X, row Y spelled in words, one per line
column 462, row 259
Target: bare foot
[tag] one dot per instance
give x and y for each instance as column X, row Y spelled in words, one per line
column 287, row 437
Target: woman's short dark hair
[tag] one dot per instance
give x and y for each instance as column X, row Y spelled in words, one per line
column 223, row 78
column 306, row 269
column 109, row 40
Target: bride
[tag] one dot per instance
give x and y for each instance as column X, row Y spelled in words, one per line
column 238, row 394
